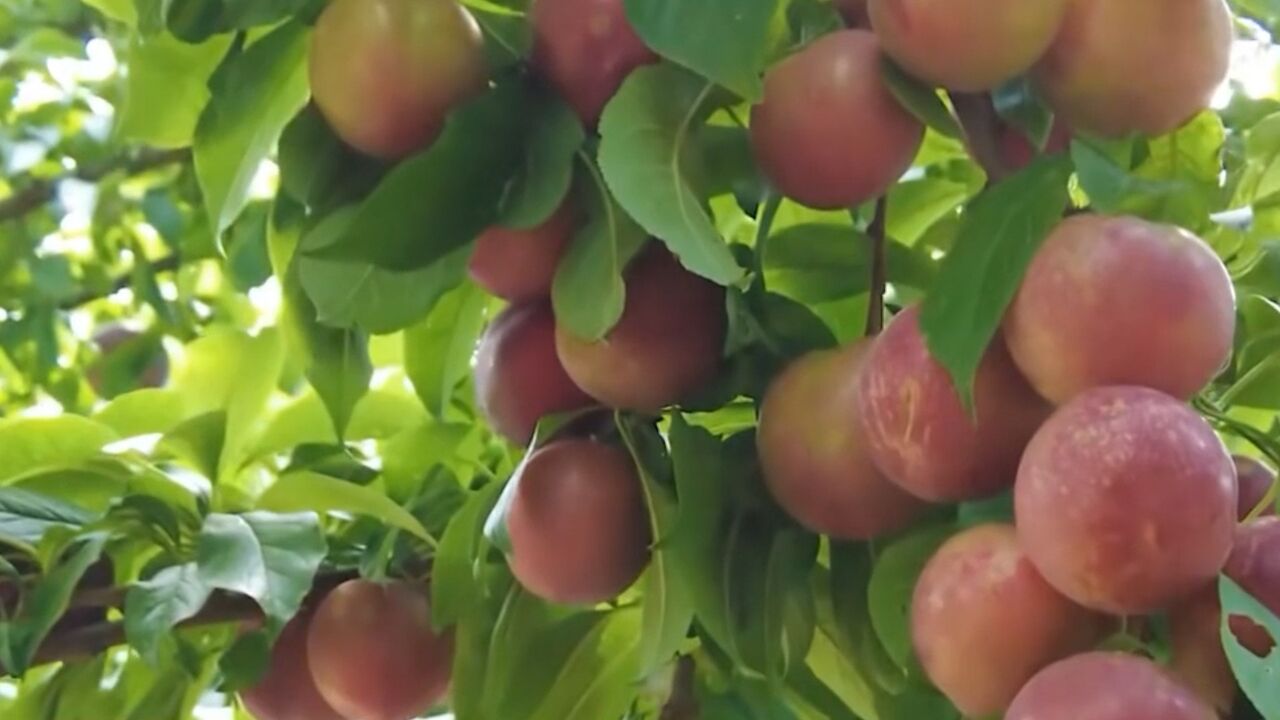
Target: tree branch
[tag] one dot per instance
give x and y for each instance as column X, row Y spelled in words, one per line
column 40, row 192
column 164, row 264
column 981, row 126
column 683, row 702
column 875, row 305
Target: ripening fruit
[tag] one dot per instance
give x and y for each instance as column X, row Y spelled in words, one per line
column 983, row 620
column 578, row 524
column 1017, row 152
column 814, row 455
column 969, row 46
column 1085, row 318
column 854, row 13
column 1255, row 565
column 385, row 73
column 829, row 133
column 667, row 343
column 918, row 432
column 585, row 49
column 1104, row 78
column 373, row 653
column 288, row 691
column 1106, row 686
column 1126, row 500
column 1195, row 644
column 142, row 360
column 519, row 378
column 1254, row 480
column 520, row 265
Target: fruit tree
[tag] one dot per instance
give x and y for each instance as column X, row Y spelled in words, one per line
column 639, row 359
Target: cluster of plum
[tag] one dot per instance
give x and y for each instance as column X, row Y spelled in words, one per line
column 364, row 651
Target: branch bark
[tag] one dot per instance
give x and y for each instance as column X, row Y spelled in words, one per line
column 40, row 192
column 164, row 264
column 875, row 305
column 683, row 702
column 981, row 125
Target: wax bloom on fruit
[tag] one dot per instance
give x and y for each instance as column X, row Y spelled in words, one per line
column 918, row 431
column 1255, row 565
column 1106, row 686
column 374, row 654
column 814, row 454
column 1104, row 78
column 519, row 265
column 966, row 45
column 386, row 73
column 1121, row 301
column 288, row 690
column 1126, row 500
column 829, row 133
column 983, row 620
column 1254, row 480
column 518, row 376
column 1195, row 644
column 667, row 344
column 585, row 49
column 578, row 524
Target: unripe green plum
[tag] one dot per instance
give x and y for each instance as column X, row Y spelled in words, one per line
column 919, row 433
column 288, row 690
column 1255, row 565
column 1195, row 644
column 1106, row 686
column 1126, row 500
column 667, row 344
column 578, row 525
column 1255, row 480
column 814, row 455
column 519, row 378
column 520, row 265
column 1112, row 300
column 829, row 133
column 983, row 620
column 386, row 73
column 374, row 654
column 585, row 49
column 966, row 45
column 1145, row 66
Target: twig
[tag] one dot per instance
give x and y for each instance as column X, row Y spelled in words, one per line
column 981, row 126
column 164, row 264
column 875, row 305
column 40, row 192
column 683, row 701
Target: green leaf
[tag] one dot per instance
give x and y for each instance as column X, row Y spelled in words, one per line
column 142, row 412
column 645, row 155
column 46, row 604
column 893, row 580
column 920, row 99
column 353, row 294
column 1018, row 104
column 725, row 41
column 29, row 445
column 166, row 72
column 271, row 558
column 438, row 350
column 1263, row 277
column 589, row 293
column 26, row 515
column 597, row 679
column 437, row 201
column 555, row 134
column 120, row 10
column 1257, row 676
column 1001, row 231
column 817, row 262
column 297, row 491
column 261, row 90
column 455, row 585
column 851, row 569
column 668, row 608
column 153, row 607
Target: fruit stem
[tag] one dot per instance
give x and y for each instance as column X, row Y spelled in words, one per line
column 876, row 232
column 682, row 704
column 981, row 125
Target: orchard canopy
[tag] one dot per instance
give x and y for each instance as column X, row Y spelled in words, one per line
column 639, row 359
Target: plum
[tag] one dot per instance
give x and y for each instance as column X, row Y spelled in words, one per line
column 519, row 265
column 288, row 690
column 1106, row 686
